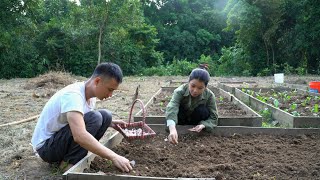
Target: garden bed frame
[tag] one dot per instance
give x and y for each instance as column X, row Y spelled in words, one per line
column 76, row 172
column 255, row 121
column 281, row 116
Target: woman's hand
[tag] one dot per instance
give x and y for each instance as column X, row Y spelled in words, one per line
column 173, row 136
column 197, row 128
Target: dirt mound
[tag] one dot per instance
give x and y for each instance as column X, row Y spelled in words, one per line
column 50, row 80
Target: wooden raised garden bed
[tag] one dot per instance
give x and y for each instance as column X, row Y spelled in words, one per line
column 232, row 112
column 226, row 153
column 291, row 108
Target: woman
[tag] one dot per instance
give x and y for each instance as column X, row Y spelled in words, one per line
column 192, row 104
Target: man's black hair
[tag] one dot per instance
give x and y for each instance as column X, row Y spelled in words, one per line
column 108, row 70
column 201, row 75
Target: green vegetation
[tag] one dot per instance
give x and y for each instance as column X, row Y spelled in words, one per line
column 156, row 37
column 298, row 106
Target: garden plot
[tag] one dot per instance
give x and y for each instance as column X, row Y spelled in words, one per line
column 230, row 86
column 227, row 153
column 232, row 112
column 292, row 108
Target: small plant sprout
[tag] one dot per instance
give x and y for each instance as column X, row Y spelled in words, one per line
column 287, row 97
column 109, row 163
column 295, row 113
column 294, row 92
column 315, row 109
column 304, row 103
column 221, row 98
column 266, row 114
column 293, row 106
column 308, row 99
column 276, row 103
column 161, row 103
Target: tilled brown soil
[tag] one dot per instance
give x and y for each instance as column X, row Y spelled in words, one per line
column 235, row 157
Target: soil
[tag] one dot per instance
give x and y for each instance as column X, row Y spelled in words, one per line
column 24, row 98
column 234, row 157
column 298, row 104
column 225, row 107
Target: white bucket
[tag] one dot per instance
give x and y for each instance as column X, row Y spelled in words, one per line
column 278, row 78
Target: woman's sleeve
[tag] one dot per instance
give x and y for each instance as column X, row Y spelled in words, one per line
column 173, row 107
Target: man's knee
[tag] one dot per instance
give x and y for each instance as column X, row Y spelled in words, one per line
column 106, row 116
column 93, row 119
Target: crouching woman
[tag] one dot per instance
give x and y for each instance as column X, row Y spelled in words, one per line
column 192, row 104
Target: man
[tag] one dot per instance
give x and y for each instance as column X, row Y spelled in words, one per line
column 68, row 127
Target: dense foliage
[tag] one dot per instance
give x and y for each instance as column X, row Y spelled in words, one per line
column 160, row 37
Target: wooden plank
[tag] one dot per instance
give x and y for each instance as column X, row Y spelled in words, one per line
column 85, row 162
column 92, row 176
column 283, row 117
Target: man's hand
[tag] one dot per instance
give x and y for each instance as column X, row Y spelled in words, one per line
column 173, row 136
column 122, row 163
column 118, row 122
column 197, row 128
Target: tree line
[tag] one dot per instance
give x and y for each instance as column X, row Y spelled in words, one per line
column 160, row 37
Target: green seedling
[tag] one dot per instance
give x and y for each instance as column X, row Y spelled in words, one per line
column 308, row 99
column 287, row 97
column 250, row 92
column 221, row 98
column 262, row 98
column 295, row 113
column 109, row 163
column 304, row 103
column 315, row 109
column 294, row 92
column 161, row 103
column 266, row 114
column 293, row 107
column 276, row 103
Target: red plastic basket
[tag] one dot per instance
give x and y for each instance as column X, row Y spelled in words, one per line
column 136, row 130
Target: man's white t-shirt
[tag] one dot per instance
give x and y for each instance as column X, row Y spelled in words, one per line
column 53, row 115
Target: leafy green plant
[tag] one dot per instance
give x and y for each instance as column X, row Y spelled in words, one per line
column 266, row 114
column 315, row 109
column 308, row 99
column 161, row 103
column 221, row 98
column 287, row 97
column 295, row 113
column 304, row 103
column 250, row 92
column 262, row 98
column 276, row 103
column 293, row 106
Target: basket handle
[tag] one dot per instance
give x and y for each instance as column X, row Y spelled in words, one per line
column 143, row 112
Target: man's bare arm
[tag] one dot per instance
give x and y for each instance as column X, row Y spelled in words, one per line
column 87, row 141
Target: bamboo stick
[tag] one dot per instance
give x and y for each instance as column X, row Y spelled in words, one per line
column 21, row 121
